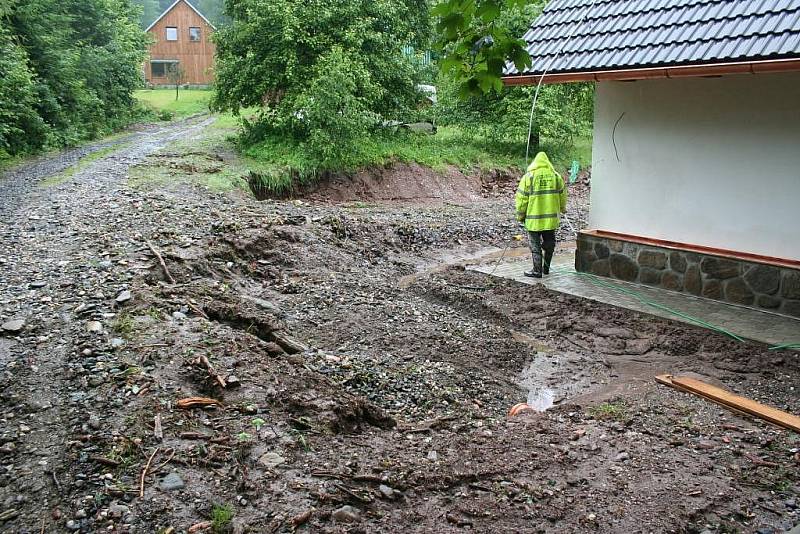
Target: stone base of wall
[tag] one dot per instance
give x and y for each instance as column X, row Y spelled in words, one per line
column 736, row 281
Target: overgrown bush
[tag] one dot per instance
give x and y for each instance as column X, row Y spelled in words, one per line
column 323, row 73
column 563, row 112
column 21, row 128
column 69, row 68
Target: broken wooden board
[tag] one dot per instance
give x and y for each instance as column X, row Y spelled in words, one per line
column 731, row 401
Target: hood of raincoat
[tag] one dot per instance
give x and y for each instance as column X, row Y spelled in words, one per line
column 541, row 161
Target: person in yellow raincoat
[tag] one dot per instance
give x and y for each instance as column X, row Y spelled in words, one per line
column 541, row 197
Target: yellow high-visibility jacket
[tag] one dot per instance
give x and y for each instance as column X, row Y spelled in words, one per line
column 541, row 196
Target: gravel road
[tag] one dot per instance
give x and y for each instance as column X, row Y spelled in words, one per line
column 177, row 359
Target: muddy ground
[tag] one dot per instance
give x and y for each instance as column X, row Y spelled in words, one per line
column 359, row 377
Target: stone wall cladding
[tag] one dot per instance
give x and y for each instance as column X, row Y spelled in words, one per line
column 737, row 281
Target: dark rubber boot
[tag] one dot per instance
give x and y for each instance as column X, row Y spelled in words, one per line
column 536, row 272
column 548, row 257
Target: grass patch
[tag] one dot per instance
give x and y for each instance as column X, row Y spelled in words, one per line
column 221, row 518
column 615, row 411
column 282, row 162
column 81, row 165
column 163, row 103
column 123, row 325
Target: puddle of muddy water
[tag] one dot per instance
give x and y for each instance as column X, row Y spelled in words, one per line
column 541, row 399
column 450, row 259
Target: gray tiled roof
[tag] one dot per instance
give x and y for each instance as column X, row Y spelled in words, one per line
column 629, row 34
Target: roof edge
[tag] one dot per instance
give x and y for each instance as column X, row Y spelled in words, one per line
column 680, row 71
column 171, row 7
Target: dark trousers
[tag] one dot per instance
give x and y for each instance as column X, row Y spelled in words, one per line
column 544, row 240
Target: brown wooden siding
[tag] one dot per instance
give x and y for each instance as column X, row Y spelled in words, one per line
column 195, row 57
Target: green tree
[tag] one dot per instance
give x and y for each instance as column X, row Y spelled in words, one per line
column 150, row 11
column 276, row 55
column 476, row 40
column 21, row 128
column 213, row 10
column 83, row 59
column 564, row 112
column 176, row 75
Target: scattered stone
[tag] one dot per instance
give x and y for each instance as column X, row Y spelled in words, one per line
column 178, row 316
column 621, row 457
column 271, row 460
column 118, row 510
column 105, row 264
column 433, row 456
column 13, row 326
column 386, row 491
column 123, row 297
column 171, row 482
column 94, row 326
column 233, row 381
column 8, row 448
column 37, row 284
column 706, row 444
column 117, row 343
column 73, row 525
column 347, row 514
column 94, row 422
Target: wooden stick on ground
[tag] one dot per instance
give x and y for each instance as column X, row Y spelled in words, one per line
column 203, row 360
column 196, row 402
column 144, row 473
column 161, row 262
column 731, row 401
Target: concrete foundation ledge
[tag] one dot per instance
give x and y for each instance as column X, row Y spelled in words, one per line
column 766, row 283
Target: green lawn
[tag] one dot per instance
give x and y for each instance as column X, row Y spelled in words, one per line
column 190, row 102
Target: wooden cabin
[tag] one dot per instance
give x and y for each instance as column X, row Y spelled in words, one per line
column 181, row 38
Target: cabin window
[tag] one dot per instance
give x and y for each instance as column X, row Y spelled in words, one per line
column 194, row 34
column 160, row 69
column 172, row 34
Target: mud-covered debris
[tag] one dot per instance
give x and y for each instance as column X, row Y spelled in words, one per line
column 347, row 514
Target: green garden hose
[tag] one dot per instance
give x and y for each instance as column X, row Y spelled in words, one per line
column 600, row 282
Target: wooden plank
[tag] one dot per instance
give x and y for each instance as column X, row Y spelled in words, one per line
column 729, row 400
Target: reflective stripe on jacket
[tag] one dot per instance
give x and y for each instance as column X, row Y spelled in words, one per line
column 541, row 196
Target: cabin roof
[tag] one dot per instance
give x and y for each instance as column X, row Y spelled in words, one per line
column 170, row 8
column 624, row 35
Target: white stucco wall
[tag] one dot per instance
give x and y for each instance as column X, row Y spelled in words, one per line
column 703, row 161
